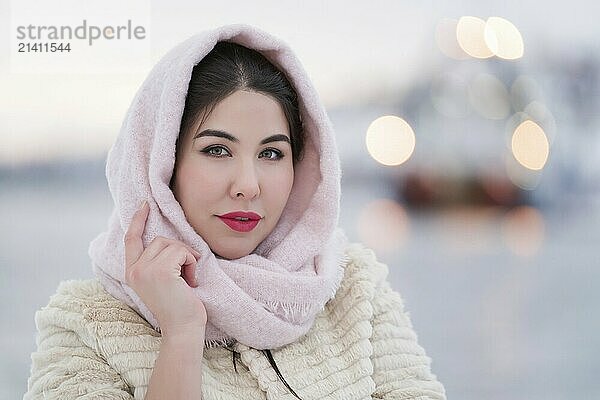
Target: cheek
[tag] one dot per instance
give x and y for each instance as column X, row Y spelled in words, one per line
column 283, row 182
column 196, row 181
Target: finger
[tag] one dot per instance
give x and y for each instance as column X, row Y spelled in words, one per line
column 161, row 242
column 134, row 246
column 156, row 246
column 196, row 253
column 188, row 267
column 189, row 274
column 175, row 256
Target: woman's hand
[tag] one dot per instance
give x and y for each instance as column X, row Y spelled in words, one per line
column 162, row 275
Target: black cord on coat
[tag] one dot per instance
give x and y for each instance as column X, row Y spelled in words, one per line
column 269, row 356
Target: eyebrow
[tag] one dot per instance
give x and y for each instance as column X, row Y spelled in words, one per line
column 228, row 136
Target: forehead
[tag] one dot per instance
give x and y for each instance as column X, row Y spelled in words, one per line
column 248, row 112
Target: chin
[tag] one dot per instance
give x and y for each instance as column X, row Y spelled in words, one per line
column 231, row 255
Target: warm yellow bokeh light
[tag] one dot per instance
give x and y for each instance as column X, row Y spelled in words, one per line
column 470, row 33
column 390, row 140
column 503, row 38
column 383, row 225
column 445, row 37
column 543, row 117
column 523, row 230
column 530, row 146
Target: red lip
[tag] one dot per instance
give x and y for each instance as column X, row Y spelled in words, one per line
column 244, row 214
column 240, row 226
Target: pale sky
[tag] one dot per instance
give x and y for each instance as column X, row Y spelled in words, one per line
column 350, row 49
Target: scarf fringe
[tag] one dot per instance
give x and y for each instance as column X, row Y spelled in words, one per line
column 224, row 342
column 289, row 309
column 221, row 342
column 304, row 309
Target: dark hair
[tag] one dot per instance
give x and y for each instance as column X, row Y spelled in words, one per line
column 230, row 67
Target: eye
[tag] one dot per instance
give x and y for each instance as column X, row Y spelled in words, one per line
column 278, row 154
column 209, row 151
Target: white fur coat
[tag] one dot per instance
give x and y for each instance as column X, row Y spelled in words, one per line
column 362, row 346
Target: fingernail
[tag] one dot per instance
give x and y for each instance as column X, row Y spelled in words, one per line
column 143, row 204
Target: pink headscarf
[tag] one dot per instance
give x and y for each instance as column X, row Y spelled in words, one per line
column 266, row 299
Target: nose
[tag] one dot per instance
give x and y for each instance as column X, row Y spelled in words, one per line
column 245, row 182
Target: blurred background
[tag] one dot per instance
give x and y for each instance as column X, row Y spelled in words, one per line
column 469, row 138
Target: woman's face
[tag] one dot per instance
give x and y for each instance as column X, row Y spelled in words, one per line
column 217, row 175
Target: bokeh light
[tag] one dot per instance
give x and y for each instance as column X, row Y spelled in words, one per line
column 383, row 224
column 538, row 112
column 446, row 39
column 523, row 230
column 390, row 140
column 503, row 38
column 530, row 146
column 470, row 33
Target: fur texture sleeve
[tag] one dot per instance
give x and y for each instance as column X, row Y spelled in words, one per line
column 65, row 364
column 401, row 367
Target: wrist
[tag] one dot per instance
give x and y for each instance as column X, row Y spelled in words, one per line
column 188, row 330
column 185, row 346
column 184, row 333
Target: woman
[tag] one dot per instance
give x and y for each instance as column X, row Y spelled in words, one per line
column 232, row 281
